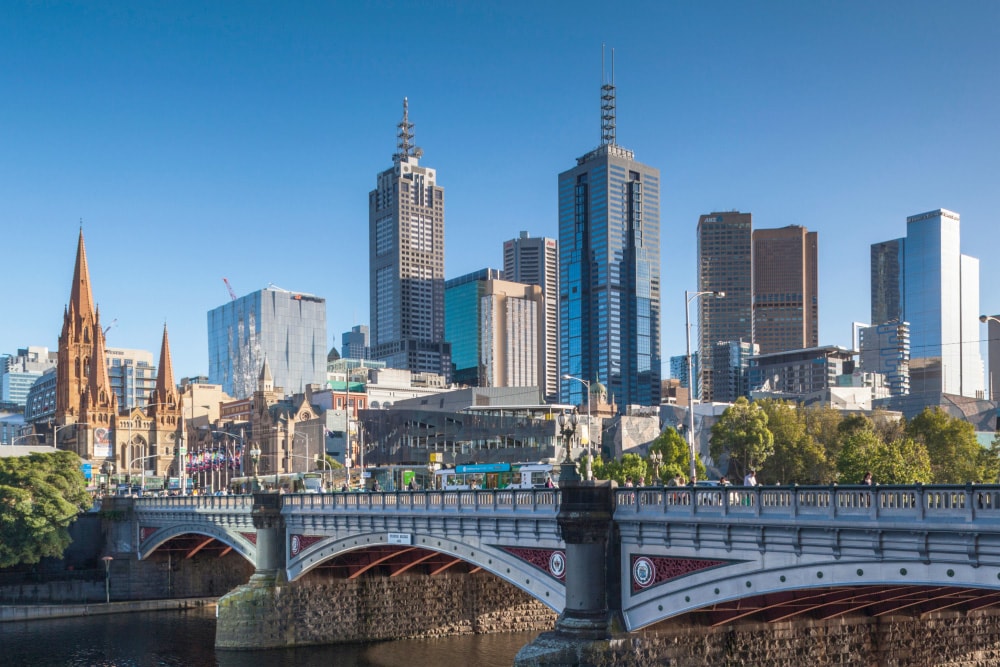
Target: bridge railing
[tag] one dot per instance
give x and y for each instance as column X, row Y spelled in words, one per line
column 514, row 500
column 918, row 502
column 203, row 503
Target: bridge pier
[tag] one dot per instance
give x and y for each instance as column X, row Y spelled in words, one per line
column 248, row 615
column 584, row 632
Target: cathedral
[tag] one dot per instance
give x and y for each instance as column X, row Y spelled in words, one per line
column 87, row 421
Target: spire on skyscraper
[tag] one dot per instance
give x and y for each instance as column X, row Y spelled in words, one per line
column 404, row 136
column 607, row 101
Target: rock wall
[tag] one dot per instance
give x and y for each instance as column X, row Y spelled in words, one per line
column 321, row 610
column 952, row 639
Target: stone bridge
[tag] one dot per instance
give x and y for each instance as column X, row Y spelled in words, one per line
column 611, row 559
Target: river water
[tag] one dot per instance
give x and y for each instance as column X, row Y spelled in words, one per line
column 187, row 638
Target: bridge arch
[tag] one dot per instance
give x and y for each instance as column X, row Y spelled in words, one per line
column 821, row 587
column 534, row 581
column 156, row 537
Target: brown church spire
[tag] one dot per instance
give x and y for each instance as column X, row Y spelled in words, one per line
column 164, row 398
column 80, row 295
column 99, row 392
column 76, row 341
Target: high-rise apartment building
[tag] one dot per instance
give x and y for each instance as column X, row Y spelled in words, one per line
column 785, row 286
column 535, row 261
column 609, row 271
column 288, row 329
column 406, row 262
column 724, row 265
column 885, row 349
column 495, row 330
column 925, row 280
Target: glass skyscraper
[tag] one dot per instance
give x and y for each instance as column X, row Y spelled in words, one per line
column 286, row 328
column 609, row 271
column 925, row 280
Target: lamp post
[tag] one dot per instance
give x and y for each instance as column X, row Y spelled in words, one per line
column 688, row 298
column 255, row 459
column 107, row 578
column 55, row 432
column 586, row 384
column 985, row 319
column 22, row 437
column 656, row 458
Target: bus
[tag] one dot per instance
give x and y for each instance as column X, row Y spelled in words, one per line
column 497, row 476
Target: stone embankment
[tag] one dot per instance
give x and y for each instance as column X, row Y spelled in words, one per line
column 49, row 611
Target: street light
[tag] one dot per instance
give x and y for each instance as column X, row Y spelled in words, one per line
column 567, row 427
column 656, row 458
column 688, row 298
column 586, row 384
column 55, row 432
column 23, row 437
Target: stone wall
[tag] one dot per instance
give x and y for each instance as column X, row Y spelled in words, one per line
column 328, row 610
column 953, row 639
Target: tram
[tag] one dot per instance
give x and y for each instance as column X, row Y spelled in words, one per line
column 497, row 476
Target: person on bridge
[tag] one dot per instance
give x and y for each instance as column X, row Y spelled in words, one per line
column 868, row 479
column 751, row 478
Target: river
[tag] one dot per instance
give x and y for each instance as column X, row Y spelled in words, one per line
column 187, row 638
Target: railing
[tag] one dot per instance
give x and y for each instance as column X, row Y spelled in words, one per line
column 526, row 500
column 210, row 503
column 917, row 502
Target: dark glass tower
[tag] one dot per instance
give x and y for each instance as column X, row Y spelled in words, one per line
column 609, row 271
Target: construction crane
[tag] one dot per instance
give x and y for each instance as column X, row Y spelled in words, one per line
column 232, row 294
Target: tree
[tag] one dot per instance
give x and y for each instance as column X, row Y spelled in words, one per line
column 742, row 433
column 631, row 465
column 40, row 496
column 956, row 455
column 823, row 425
column 676, row 454
column 797, row 456
column 903, row 461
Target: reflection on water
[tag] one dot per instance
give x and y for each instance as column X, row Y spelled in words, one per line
column 187, row 639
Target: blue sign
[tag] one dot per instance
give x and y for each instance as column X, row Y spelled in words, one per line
column 87, row 470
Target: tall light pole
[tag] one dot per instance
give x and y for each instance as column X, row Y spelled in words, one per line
column 55, row 432
column 688, row 298
column 586, row 384
column 985, row 319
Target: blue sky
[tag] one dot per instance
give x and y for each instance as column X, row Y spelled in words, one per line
column 198, row 141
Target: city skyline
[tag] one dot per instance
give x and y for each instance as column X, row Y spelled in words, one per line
column 198, row 145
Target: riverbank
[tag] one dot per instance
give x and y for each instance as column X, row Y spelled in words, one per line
column 38, row 612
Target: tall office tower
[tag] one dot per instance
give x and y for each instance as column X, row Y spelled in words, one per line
column 288, row 329
column 354, row 343
column 535, row 261
column 609, row 271
column 495, row 330
column 786, row 292
column 679, row 369
column 731, row 363
column 993, row 354
column 925, row 280
column 406, row 262
column 885, row 349
column 724, row 265
column 18, row 372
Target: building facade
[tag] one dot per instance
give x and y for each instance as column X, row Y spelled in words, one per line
column 925, row 280
column 495, row 330
column 885, row 349
column 786, row 289
column 406, row 262
column 18, row 372
column 286, row 328
column 796, row 373
column 725, row 264
column 609, row 271
column 535, row 261
column 731, row 369
column 354, row 343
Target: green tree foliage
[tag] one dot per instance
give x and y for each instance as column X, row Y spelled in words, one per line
column 742, row 433
column 956, row 455
column 797, row 457
column 903, row 461
column 631, row 465
column 674, row 449
column 40, row 496
column 823, row 425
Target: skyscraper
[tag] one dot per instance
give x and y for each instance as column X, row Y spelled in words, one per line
column 535, row 261
column 354, row 343
column 495, row 331
column 288, row 329
column 724, row 265
column 609, row 266
column 406, row 262
column 785, row 289
column 925, row 280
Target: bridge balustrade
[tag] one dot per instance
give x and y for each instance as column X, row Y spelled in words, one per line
column 847, row 503
column 195, row 503
column 527, row 500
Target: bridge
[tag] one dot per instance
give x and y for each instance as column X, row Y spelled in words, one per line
column 627, row 558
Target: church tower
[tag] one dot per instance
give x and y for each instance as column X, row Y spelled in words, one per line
column 76, row 343
column 99, row 403
column 164, row 413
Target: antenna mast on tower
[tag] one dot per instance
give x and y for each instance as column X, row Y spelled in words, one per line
column 404, row 136
column 607, row 102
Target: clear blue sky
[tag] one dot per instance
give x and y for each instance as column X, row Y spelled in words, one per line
column 198, row 141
